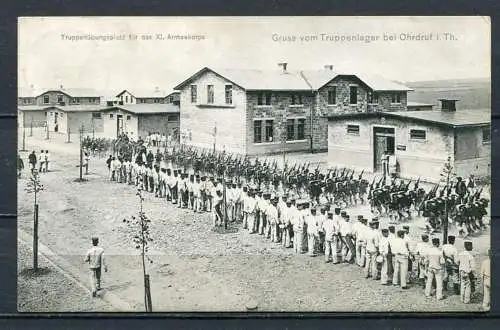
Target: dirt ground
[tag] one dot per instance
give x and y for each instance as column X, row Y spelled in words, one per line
column 194, row 267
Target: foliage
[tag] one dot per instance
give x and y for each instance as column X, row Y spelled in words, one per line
column 447, row 172
column 34, row 185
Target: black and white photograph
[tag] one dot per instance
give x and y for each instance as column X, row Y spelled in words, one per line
column 254, row 164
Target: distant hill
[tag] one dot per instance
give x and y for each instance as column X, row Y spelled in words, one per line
column 472, row 93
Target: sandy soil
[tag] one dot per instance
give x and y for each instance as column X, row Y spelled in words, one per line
column 194, row 267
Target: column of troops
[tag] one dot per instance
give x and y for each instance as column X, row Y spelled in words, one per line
column 305, row 210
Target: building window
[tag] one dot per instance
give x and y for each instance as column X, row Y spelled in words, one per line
column 332, row 95
column 172, row 118
column 353, row 95
column 128, row 117
column 210, row 94
column 353, row 129
column 61, row 114
column 156, row 100
column 194, row 94
column 417, row 134
column 297, row 99
column 110, row 116
column 59, row 98
column 75, row 100
column 301, row 129
column 396, row 98
column 486, row 134
column 290, row 129
column 26, row 101
column 257, row 131
column 46, row 99
column 264, row 98
column 126, row 98
column 229, row 94
column 96, row 115
column 269, row 130
column 372, row 98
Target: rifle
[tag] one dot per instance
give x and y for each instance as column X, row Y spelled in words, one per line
column 307, row 167
column 342, row 174
column 352, row 175
column 477, row 194
column 361, row 175
column 380, row 181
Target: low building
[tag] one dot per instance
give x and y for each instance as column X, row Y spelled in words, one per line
column 421, row 141
column 139, row 96
column 417, row 106
column 140, row 120
column 258, row 112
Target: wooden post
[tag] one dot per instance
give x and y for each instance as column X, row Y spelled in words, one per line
column 31, row 126
column 35, row 238
column 224, row 197
column 445, row 221
column 24, row 139
column 147, row 287
column 69, row 135
column 47, row 125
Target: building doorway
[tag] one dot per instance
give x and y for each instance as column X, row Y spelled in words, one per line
column 119, row 125
column 383, row 141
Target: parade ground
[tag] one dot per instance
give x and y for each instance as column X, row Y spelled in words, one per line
column 194, row 267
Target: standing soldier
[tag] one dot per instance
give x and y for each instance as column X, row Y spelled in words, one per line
column 486, row 279
column 450, row 254
column 466, row 267
column 32, row 161
column 385, row 250
column 435, row 264
column 95, row 258
column 357, row 232
column 312, row 231
column 20, row 165
column 196, row 194
column 460, row 188
column 86, row 158
column 47, row 158
column 330, row 231
column 218, row 213
column 250, row 209
column 348, row 252
column 372, row 246
column 297, row 220
column 471, row 185
column 401, row 252
column 421, row 258
column 272, row 218
column 285, row 216
column 41, row 161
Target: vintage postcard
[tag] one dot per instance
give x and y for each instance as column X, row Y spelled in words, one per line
column 254, row 164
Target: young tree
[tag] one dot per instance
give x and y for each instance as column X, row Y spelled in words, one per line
column 34, row 186
column 140, row 228
column 447, row 175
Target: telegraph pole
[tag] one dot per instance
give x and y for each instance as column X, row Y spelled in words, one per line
column 24, row 139
column 215, row 134
column 284, row 137
column 31, row 126
column 47, row 125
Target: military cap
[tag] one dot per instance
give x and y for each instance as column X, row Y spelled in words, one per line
column 360, row 217
column 425, row 236
column 95, row 238
column 240, row 184
column 435, row 240
column 169, row 170
column 337, row 210
column 259, row 192
column 406, row 227
column 468, row 245
column 266, row 195
column 392, row 228
column 400, row 232
column 373, row 223
column 212, row 177
column 293, row 200
column 322, row 208
column 313, row 210
column 288, row 203
column 219, row 180
column 234, row 185
column 175, row 171
column 284, row 196
column 343, row 213
column 385, row 231
column 305, row 203
column 364, row 221
column 451, row 237
column 204, row 178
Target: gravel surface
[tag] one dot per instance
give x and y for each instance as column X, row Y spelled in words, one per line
column 194, row 267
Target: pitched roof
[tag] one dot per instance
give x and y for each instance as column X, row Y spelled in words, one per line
column 145, row 93
column 73, row 92
column 79, row 108
column 459, row 118
column 148, row 108
column 256, row 79
column 418, row 104
column 31, row 107
column 293, row 80
column 455, row 118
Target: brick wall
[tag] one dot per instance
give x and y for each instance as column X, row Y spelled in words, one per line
column 343, row 105
column 281, row 105
column 385, row 102
column 197, row 120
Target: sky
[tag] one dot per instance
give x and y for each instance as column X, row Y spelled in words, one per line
column 49, row 54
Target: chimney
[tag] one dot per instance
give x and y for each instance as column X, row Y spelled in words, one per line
column 61, row 86
column 283, row 66
column 329, row 67
column 448, row 105
column 157, row 89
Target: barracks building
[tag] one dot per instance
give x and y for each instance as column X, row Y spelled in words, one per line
column 66, row 110
column 267, row 112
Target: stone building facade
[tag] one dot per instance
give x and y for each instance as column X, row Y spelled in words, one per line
column 273, row 112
